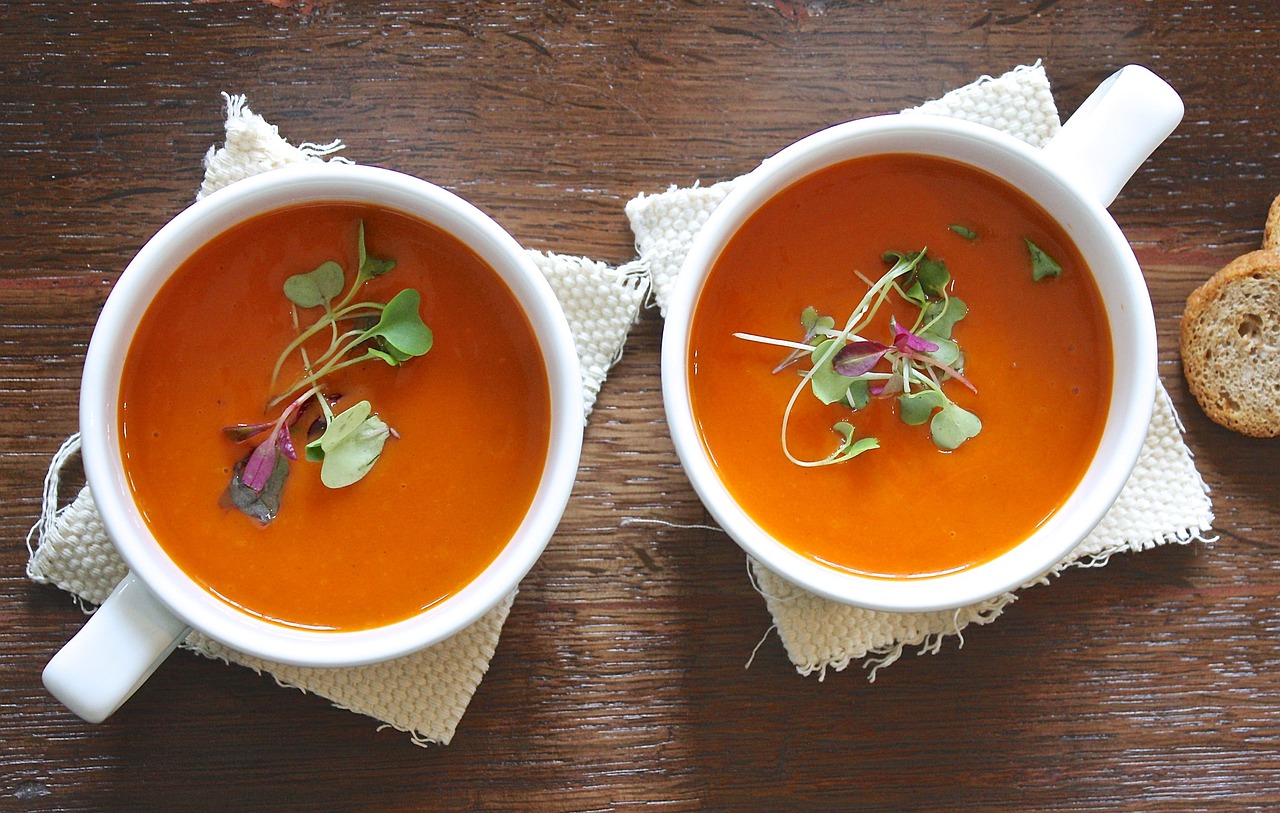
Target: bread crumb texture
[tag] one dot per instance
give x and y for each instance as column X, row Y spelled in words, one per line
column 1231, row 345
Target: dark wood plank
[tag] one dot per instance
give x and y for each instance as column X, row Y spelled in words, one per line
column 620, row 682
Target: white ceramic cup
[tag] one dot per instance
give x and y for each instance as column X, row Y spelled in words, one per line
column 157, row 605
column 1074, row 177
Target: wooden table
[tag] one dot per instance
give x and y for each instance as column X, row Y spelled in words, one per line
column 619, row 683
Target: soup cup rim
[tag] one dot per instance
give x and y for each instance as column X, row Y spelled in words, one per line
column 1128, row 418
column 153, row 264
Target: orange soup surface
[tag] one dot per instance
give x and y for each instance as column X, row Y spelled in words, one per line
column 471, row 421
column 1038, row 353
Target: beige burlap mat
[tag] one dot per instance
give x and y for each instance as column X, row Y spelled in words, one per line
column 426, row 693
column 1165, row 500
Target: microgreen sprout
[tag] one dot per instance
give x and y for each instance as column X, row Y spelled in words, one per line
column 1042, row 265
column 347, row 443
column 851, row 370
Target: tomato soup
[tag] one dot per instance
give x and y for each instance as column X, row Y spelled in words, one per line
column 1038, row 353
column 471, row 422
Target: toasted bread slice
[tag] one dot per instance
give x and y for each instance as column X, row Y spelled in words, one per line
column 1231, row 340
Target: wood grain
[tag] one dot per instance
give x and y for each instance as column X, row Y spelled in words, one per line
column 620, row 681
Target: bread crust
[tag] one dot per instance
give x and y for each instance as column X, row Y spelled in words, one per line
column 1231, row 341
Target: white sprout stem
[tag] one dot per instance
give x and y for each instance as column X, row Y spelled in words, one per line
column 751, row 337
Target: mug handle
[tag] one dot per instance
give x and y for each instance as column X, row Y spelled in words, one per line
column 115, row 652
column 1114, row 131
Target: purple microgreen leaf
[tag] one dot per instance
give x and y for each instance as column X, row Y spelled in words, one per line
column 284, row 442
column 949, row 370
column 259, row 465
column 887, row 388
column 262, row 504
column 857, row 358
column 244, row 431
column 905, row 340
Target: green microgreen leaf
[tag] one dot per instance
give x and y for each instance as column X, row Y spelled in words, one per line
column 814, row 323
column 927, row 279
column 948, row 351
column 859, row 394
column 933, row 276
column 829, row 386
column 369, row 267
column 847, row 368
column 1042, row 265
column 850, row 448
column 952, row 426
column 964, row 231
column 401, row 326
column 316, row 287
column 916, row 407
column 346, row 444
column 338, row 427
column 940, row 318
column 349, row 458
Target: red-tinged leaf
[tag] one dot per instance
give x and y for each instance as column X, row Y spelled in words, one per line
column 284, row 442
column 857, row 358
column 243, row 431
column 258, row 468
column 261, row 505
column 905, row 340
column 887, row 388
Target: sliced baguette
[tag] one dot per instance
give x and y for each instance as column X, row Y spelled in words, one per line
column 1231, row 340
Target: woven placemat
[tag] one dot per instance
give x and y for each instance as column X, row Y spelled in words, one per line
column 1164, row 501
column 426, row 693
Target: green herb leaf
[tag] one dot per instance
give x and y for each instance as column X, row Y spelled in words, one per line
column 369, row 267
column 926, row 280
column 341, row 425
column 859, row 395
column 948, row 351
column 829, row 386
column 952, row 426
column 315, row 287
column 401, row 326
column 964, row 231
column 933, row 276
column 916, row 407
column 349, row 459
column 850, row 448
column 814, row 323
column 942, row 316
column 1042, row 265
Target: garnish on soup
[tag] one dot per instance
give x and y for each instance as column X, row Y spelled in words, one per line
column 1042, row 265
column 849, row 369
column 345, row 443
column 1039, row 353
